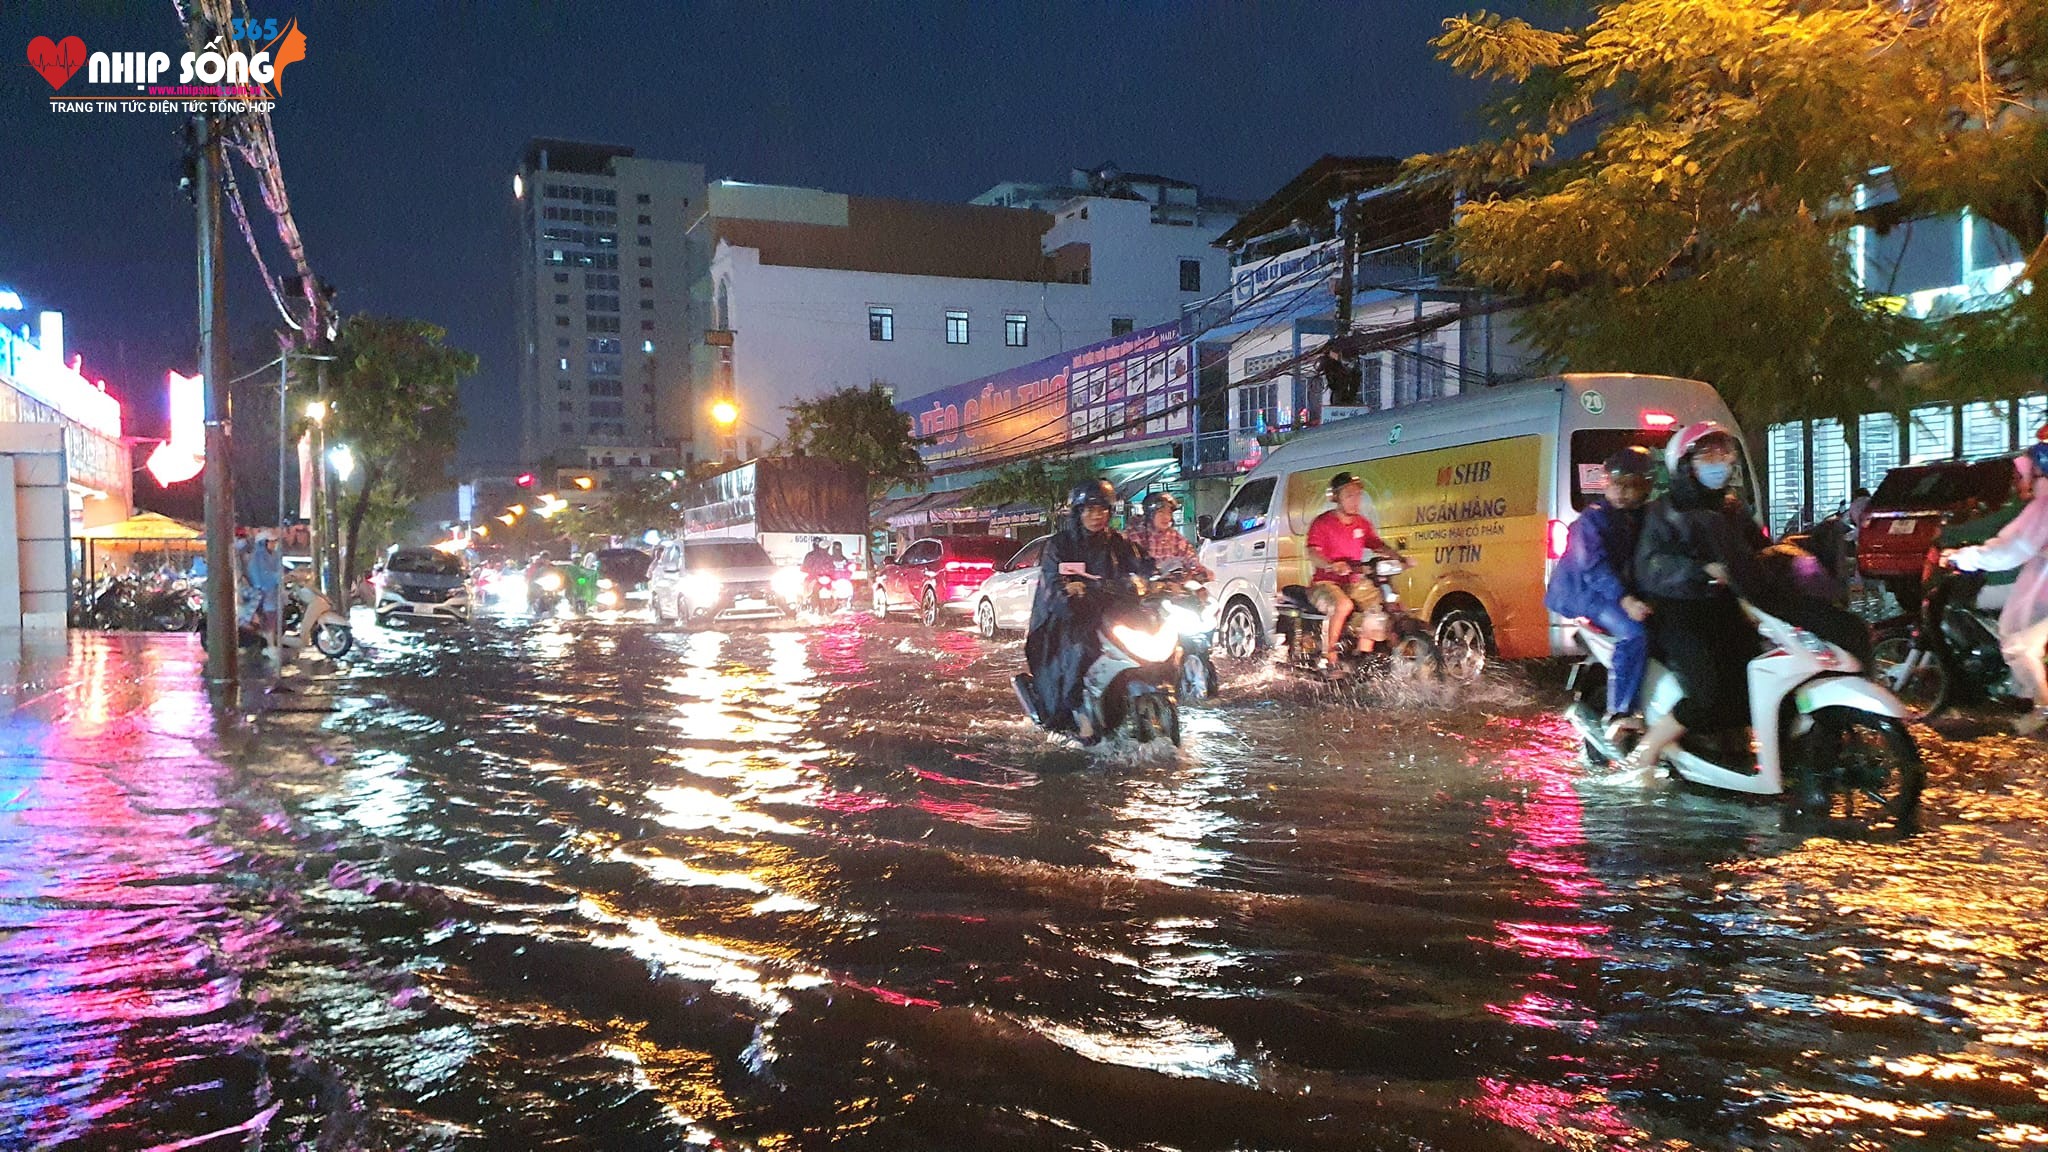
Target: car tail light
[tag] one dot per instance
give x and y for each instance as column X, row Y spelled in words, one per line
column 968, row 566
column 1659, row 420
column 1558, row 534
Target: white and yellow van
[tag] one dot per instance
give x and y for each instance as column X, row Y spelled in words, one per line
column 1477, row 490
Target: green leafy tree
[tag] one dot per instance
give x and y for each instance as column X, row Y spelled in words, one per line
column 392, row 395
column 627, row 511
column 862, row 427
column 1039, row 483
column 1673, row 184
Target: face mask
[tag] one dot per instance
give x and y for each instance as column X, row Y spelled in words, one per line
column 1713, row 476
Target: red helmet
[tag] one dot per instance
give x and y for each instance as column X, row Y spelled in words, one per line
column 1689, row 438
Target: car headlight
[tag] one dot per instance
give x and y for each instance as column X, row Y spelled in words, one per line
column 1148, row 646
column 788, row 583
column 607, row 599
column 550, row 581
column 700, row 588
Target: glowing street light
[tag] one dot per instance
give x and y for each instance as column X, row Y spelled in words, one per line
column 316, row 411
column 585, row 483
column 724, row 414
column 343, row 460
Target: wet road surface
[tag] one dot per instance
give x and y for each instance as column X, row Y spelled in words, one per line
column 593, row 885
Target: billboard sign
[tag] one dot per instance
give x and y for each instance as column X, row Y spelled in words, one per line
column 1124, row 390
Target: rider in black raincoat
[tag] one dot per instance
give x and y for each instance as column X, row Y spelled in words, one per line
column 1065, row 636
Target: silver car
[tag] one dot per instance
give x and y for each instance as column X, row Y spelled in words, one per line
column 1004, row 599
column 714, row 580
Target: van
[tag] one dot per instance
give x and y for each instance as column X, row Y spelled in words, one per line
column 1476, row 490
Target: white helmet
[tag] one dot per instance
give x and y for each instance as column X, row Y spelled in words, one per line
column 1688, row 439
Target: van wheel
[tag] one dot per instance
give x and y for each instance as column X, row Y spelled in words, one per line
column 1464, row 642
column 1239, row 633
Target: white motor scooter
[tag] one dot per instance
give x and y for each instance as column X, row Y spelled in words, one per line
column 1815, row 718
column 1131, row 685
column 316, row 623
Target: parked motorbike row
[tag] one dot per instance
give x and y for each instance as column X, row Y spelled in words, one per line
column 130, row 603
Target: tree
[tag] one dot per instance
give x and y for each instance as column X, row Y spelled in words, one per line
column 628, row 511
column 1720, row 152
column 391, row 391
column 1034, row 482
column 862, row 427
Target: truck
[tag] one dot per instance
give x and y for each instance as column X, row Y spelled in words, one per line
column 784, row 503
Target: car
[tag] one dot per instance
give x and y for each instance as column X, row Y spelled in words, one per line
column 423, row 583
column 1910, row 509
column 1004, row 599
column 938, row 575
column 718, row 580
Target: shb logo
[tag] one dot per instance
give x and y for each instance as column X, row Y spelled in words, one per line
column 56, row 61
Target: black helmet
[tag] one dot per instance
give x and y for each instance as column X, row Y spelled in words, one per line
column 1094, row 493
column 1158, row 500
column 1341, row 481
column 1633, row 461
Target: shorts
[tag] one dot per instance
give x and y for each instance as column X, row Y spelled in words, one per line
column 1326, row 595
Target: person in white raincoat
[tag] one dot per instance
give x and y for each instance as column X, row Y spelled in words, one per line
column 2023, row 626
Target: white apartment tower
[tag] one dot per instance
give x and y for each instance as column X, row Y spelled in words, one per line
column 603, row 289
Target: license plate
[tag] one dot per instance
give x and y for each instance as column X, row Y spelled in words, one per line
column 1904, row 527
column 747, row 602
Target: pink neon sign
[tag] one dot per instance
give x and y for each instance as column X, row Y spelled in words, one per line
column 182, row 456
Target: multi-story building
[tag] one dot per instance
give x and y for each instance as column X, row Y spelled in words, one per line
column 603, row 289
column 811, row 291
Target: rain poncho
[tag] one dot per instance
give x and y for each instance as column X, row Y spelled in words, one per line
column 2023, row 626
column 1065, row 636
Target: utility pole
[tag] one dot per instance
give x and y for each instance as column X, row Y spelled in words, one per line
column 221, row 617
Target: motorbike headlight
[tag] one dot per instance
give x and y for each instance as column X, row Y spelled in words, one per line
column 607, row 599
column 701, row 588
column 550, row 581
column 1389, row 567
column 788, row 583
column 1183, row 621
column 605, row 582
column 1149, row 646
column 842, row 587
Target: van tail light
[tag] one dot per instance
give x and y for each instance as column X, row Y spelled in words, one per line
column 1659, row 421
column 1557, row 534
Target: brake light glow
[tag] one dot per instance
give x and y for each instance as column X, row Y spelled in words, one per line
column 1659, row 420
column 968, row 566
column 1557, row 535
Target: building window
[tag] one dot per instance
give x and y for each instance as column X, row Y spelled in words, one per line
column 956, row 327
column 1931, row 434
column 646, row 242
column 647, row 325
column 561, row 341
column 595, row 302
column 604, row 345
column 881, row 324
column 604, row 366
column 562, row 385
column 564, row 366
column 647, row 261
column 1258, row 408
column 566, row 406
column 607, row 408
column 647, row 281
column 1016, row 331
column 1419, row 372
column 1191, row 275
column 642, row 198
column 567, row 427
column 1877, row 443
column 600, row 323
column 1120, row 326
column 561, row 299
column 646, row 305
column 646, row 219
column 561, row 277
column 561, row 321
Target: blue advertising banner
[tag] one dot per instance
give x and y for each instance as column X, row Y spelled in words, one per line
column 1124, row 390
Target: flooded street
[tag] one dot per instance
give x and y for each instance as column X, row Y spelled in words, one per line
column 594, row 885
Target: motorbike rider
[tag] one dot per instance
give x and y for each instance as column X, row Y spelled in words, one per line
column 1163, row 544
column 1339, row 541
column 2023, row 625
column 1065, row 634
column 1595, row 578
column 1699, row 544
column 817, row 562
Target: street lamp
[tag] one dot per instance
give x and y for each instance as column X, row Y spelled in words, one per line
column 316, row 411
column 724, row 414
column 343, row 460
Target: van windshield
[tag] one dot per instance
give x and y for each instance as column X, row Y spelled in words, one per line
column 1592, row 446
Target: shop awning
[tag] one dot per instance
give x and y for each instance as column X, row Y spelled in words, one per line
column 144, row 526
column 895, row 505
column 1143, row 480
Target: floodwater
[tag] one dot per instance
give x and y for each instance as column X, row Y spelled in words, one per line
column 594, row 885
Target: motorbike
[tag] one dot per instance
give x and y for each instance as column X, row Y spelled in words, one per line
column 1131, row 686
column 544, row 586
column 1945, row 651
column 1186, row 607
column 828, row 592
column 1390, row 639
column 309, row 618
column 1820, row 728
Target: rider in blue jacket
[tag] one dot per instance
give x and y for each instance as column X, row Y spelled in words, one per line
column 1595, row 578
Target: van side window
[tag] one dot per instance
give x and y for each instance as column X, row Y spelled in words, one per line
column 1247, row 509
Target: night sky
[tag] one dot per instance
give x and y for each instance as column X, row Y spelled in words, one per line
column 401, row 128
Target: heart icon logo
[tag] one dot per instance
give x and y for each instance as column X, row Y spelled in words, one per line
column 58, row 62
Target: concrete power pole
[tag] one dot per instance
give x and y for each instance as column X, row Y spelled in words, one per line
column 213, row 363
